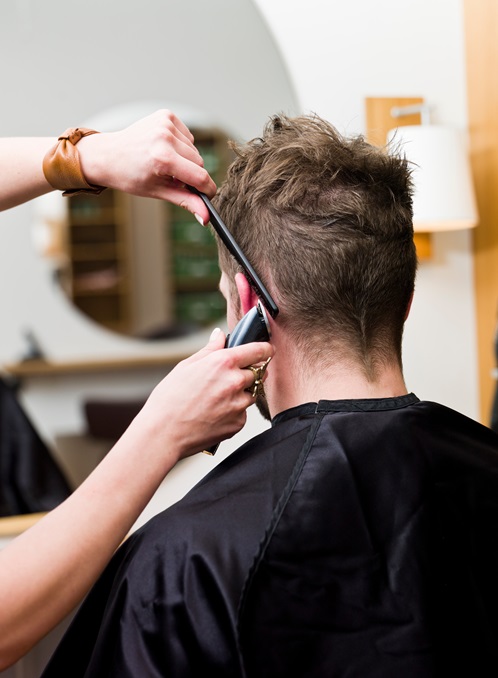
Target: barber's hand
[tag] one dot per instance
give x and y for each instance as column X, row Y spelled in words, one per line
column 204, row 399
column 155, row 157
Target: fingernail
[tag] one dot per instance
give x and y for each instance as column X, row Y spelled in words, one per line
column 199, row 219
column 214, row 333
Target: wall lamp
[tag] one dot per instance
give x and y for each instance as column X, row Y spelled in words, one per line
column 444, row 198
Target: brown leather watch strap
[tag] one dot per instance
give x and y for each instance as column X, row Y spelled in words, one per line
column 61, row 164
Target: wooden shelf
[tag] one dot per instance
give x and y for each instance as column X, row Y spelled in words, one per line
column 45, row 368
column 11, row 526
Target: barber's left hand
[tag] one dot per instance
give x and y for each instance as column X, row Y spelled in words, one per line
column 155, row 157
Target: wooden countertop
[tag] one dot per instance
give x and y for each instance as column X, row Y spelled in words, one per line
column 11, row 526
column 44, row 368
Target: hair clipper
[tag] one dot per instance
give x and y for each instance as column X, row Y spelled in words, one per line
column 253, row 326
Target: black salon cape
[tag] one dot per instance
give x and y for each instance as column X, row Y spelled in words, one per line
column 355, row 539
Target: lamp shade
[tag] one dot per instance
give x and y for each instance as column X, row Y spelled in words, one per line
column 443, row 197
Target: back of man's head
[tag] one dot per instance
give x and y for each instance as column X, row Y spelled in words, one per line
column 327, row 223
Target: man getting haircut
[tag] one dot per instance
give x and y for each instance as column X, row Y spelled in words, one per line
column 358, row 536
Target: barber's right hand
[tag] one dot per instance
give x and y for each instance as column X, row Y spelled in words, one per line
column 204, row 398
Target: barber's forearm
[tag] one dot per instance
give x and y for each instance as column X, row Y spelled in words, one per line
column 46, row 571
column 21, row 172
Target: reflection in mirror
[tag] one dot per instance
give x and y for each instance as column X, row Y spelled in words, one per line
column 138, row 266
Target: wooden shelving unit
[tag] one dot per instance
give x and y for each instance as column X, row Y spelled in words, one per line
column 98, row 277
column 194, row 266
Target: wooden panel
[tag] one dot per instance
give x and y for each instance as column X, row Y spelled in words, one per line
column 481, row 31
column 378, row 123
column 45, row 368
column 379, row 119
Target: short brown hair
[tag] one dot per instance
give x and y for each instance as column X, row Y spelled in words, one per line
column 326, row 222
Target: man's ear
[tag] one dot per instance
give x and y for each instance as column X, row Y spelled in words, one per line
column 248, row 298
column 409, row 306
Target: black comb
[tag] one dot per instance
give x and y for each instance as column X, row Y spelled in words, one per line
column 234, row 249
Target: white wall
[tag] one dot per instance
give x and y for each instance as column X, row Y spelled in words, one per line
column 337, row 54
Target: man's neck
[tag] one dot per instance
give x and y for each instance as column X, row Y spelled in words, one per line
column 293, row 381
